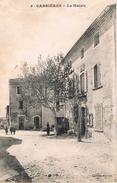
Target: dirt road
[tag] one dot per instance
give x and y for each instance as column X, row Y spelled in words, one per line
column 64, row 160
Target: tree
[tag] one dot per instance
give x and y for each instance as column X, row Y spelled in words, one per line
column 47, row 82
column 77, row 107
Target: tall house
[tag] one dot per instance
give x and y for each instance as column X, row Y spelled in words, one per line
column 23, row 115
column 24, row 111
column 93, row 59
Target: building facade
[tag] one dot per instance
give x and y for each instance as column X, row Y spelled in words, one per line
column 24, row 112
column 23, row 115
column 93, row 59
column 91, row 94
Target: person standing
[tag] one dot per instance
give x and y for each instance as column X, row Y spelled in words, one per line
column 48, row 129
column 6, row 130
column 14, row 130
column 11, row 130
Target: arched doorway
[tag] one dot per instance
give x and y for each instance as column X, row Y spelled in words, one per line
column 36, row 122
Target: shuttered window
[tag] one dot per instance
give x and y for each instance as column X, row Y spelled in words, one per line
column 21, row 104
column 90, row 120
column 96, row 76
column 84, row 82
column 76, row 84
column 19, row 90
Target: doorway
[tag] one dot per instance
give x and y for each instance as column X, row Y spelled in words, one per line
column 62, row 124
column 36, row 122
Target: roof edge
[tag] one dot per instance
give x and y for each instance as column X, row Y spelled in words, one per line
column 108, row 8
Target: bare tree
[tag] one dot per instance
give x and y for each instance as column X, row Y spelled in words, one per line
column 47, row 82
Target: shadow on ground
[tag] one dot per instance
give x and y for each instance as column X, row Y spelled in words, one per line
column 62, row 136
column 10, row 162
column 66, row 136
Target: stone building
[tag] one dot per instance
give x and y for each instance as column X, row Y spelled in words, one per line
column 93, row 59
column 91, row 88
column 7, row 114
column 24, row 114
column 3, row 122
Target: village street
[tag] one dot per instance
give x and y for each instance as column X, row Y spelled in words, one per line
column 59, row 159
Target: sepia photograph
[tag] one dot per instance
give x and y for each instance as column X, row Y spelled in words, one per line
column 58, row 96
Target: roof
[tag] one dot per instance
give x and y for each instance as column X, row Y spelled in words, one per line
column 15, row 80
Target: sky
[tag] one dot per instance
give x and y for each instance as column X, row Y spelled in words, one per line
column 27, row 32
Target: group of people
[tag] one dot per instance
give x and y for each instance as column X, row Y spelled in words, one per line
column 12, row 130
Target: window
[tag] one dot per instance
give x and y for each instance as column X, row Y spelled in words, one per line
column 96, row 39
column 76, row 84
column 97, row 76
column 18, row 89
column 86, row 81
column 82, row 82
column 90, row 120
column 57, row 106
column 20, row 104
column 82, row 53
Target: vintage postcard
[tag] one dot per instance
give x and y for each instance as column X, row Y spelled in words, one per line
column 58, row 102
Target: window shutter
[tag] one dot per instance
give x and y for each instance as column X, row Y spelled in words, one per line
column 99, row 74
column 92, row 77
column 74, row 79
column 20, row 90
column 77, row 84
column 85, row 81
column 99, row 117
